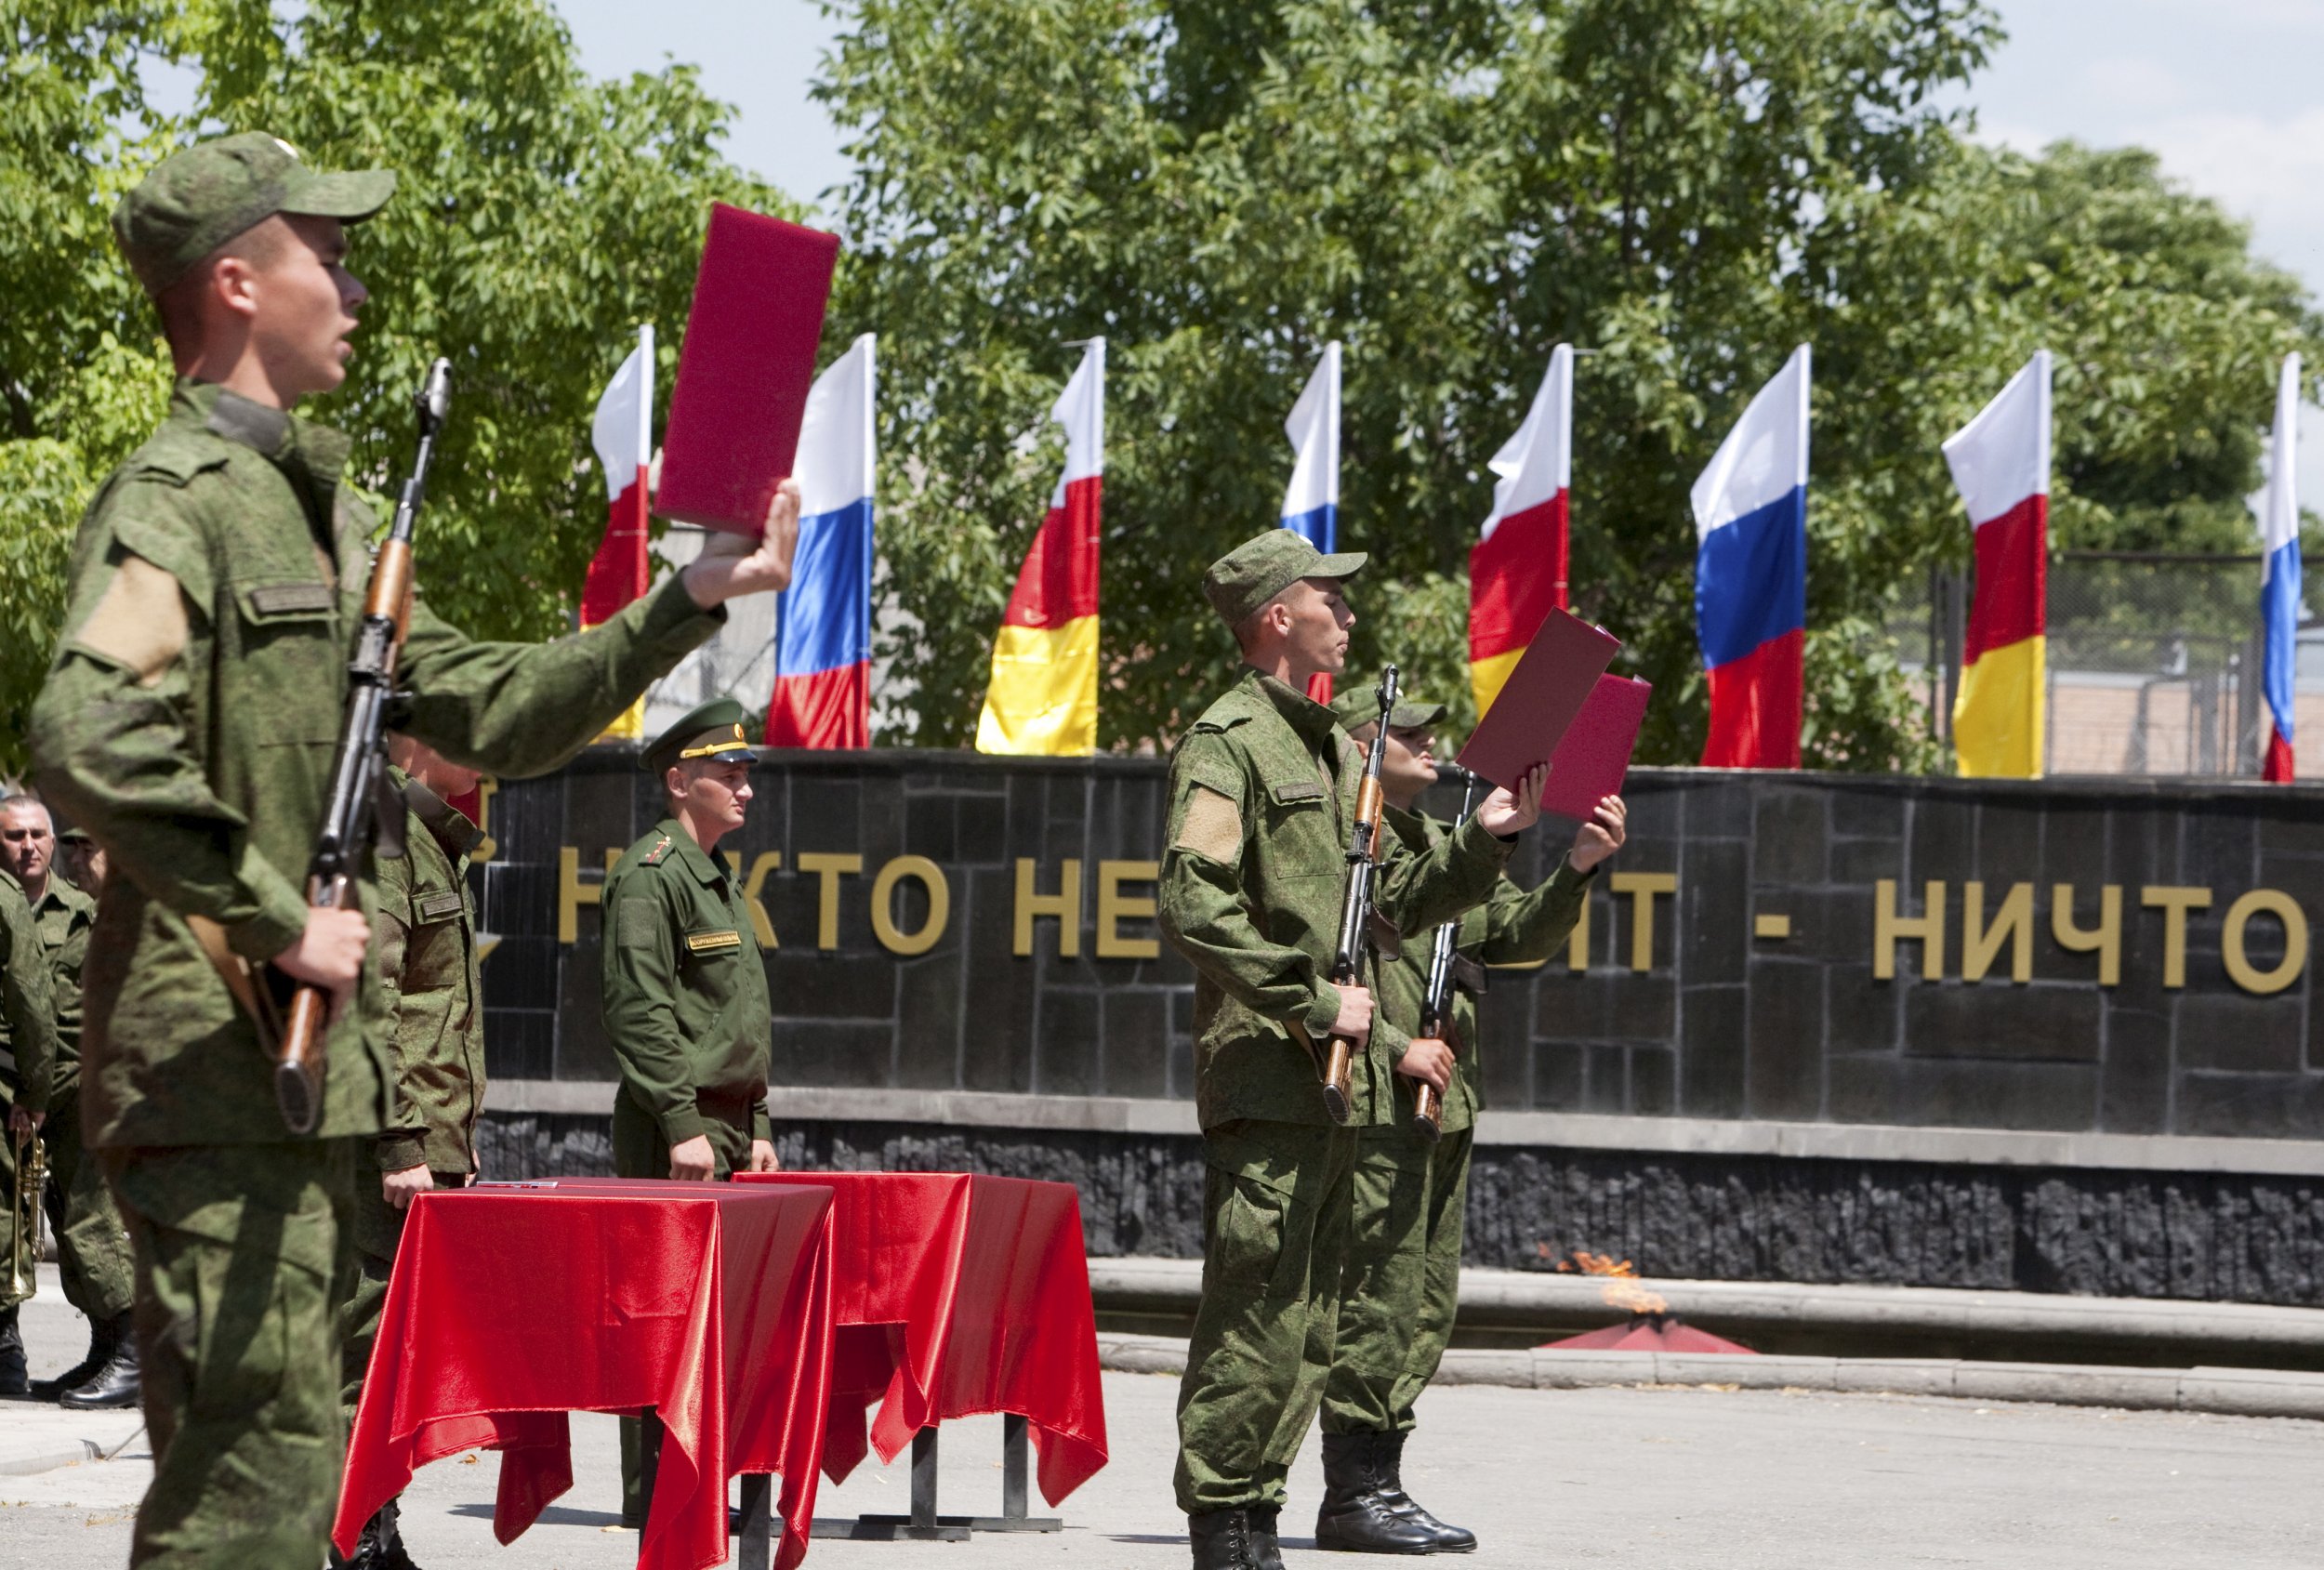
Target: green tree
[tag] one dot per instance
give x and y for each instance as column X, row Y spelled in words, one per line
column 1683, row 190
column 539, row 217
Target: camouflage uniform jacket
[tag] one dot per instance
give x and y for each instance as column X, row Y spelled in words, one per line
column 684, row 989
column 28, row 1017
column 1262, row 797
column 426, row 941
column 189, row 723
column 1512, row 927
column 63, row 917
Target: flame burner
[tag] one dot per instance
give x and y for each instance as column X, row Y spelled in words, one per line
column 1651, row 1326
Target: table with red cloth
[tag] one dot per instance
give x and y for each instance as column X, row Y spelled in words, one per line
column 513, row 1305
column 955, row 1295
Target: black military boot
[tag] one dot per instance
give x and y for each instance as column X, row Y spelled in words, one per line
column 1450, row 1538
column 115, row 1384
column 1263, row 1521
column 373, row 1547
column 1356, row 1517
column 12, row 1369
column 101, row 1335
column 1225, row 1539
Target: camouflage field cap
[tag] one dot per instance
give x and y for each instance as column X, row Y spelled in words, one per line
column 1359, row 707
column 714, row 730
column 1263, row 566
column 195, row 201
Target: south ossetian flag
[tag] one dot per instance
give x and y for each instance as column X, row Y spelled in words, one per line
column 2000, row 464
column 1311, row 505
column 1517, row 568
column 2279, row 583
column 1043, row 699
column 622, row 431
column 822, row 695
column 1750, row 577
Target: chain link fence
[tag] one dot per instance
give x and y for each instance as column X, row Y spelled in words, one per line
column 2153, row 661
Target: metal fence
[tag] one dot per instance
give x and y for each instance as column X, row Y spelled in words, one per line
column 2153, row 661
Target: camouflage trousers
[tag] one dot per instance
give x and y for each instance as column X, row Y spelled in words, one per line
column 240, row 1256
column 1275, row 1198
column 92, row 1251
column 1402, row 1279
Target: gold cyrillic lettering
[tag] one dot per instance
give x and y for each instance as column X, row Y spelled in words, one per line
column 571, row 893
column 1114, row 908
column 1642, row 887
column 1889, row 929
column 2284, row 908
column 1064, row 905
column 2174, row 900
column 830, row 867
column 1577, row 941
column 2011, row 924
column 2107, row 936
column 893, row 938
column 760, row 923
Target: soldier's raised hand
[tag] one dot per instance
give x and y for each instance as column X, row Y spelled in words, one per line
column 1507, row 811
column 732, row 565
column 1601, row 836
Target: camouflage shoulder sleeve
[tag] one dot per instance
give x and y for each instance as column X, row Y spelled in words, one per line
column 1525, row 928
column 24, row 995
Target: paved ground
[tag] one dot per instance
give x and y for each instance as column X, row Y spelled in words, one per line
column 1674, row 1479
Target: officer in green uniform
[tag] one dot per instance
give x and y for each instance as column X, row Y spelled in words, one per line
column 92, row 1255
column 684, row 990
column 1402, row 1281
column 28, row 1030
column 426, row 936
column 188, row 722
column 1262, row 799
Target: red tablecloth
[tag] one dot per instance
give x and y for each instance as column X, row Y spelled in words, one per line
column 512, row 1305
column 956, row 1295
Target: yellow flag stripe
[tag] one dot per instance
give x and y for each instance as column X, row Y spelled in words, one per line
column 1043, row 700
column 1487, row 676
column 628, row 726
column 1999, row 716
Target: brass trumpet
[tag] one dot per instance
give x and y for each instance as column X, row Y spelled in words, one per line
column 31, row 1177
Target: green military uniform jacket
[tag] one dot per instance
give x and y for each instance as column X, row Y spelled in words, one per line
column 28, row 1015
column 63, row 918
column 1263, row 798
column 685, row 990
column 426, row 941
column 203, row 772
column 1512, row 927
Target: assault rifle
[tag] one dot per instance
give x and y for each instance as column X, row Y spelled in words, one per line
column 1436, row 1010
column 355, row 810
column 1356, row 912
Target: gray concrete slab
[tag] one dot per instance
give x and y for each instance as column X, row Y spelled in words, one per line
column 1676, row 1478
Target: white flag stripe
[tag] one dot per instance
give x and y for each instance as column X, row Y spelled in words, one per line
column 1538, row 462
column 2002, row 456
column 1081, row 409
column 621, row 430
column 1764, row 457
column 838, row 453
column 2279, row 502
column 1314, row 428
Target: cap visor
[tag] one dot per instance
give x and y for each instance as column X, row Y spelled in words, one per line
column 351, row 196
column 1340, row 564
column 1408, row 715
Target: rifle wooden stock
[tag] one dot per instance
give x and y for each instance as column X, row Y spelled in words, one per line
column 1337, row 1059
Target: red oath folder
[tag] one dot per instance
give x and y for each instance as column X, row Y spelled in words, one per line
column 1593, row 760
column 743, row 374
column 1543, row 696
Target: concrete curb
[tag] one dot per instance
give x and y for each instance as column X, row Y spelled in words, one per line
column 54, row 1455
column 2259, row 1334
column 2248, row 1392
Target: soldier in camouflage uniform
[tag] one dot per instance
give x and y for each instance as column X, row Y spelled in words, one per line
column 1263, row 798
column 28, row 1032
column 188, row 722
column 426, row 939
column 684, row 989
column 92, row 1254
column 1402, row 1281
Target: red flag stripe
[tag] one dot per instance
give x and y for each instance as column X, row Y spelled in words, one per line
column 2013, row 578
column 1059, row 581
column 1517, row 577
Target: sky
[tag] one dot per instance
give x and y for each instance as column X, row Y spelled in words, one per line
column 2227, row 91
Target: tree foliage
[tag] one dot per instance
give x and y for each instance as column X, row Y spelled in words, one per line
column 1684, row 190
column 539, row 217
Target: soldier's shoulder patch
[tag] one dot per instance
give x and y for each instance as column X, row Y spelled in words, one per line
column 1212, row 827
column 653, row 857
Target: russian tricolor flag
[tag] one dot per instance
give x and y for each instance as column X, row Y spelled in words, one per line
column 1043, row 699
column 1517, row 567
column 2000, row 464
column 622, row 431
column 1311, row 507
column 2279, row 586
column 1750, row 577
column 822, row 695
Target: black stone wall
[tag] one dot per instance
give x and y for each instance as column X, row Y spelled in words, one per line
column 1722, row 1022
